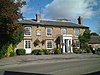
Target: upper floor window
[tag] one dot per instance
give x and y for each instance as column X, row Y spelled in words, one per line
column 63, row 31
column 77, row 32
column 48, row 31
column 27, row 31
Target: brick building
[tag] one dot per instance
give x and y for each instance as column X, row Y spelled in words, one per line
column 50, row 34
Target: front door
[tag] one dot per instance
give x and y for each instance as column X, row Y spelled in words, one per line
column 27, row 46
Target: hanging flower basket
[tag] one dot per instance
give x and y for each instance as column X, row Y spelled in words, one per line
column 36, row 42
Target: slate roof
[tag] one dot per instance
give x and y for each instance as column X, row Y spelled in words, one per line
column 52, row 23
column 94, row 40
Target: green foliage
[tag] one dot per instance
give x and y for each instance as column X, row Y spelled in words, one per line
column 57, row 51
column 4, row 49
column 12, row 54
column 20, row 51
column 85, row 37
column 9, row 50
column 84, row 41
column 35, row 51
column 85, row 48
column 77, row 50
column 38, row 52
column 1, row 54
column 11, row 31
column 47, row 52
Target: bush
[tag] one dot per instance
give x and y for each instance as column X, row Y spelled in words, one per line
column 10, row 49
column 12, row 54
column 1, row 54
column 40, row 52
column 3, row 51
column 20, row 51
column 76, row 50
column 35, row 51
column 47, row 52
column 57, row 51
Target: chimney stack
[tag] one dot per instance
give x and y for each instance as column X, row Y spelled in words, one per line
column 38, row 17
column 80, row 20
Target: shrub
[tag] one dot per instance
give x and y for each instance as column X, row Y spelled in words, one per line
column 57, row 51
column 20, row 51
column 76, row 50
column 39, row 52
column 12, row 54
column 35, row 52
column 3, row 51
column 10, row 49
column 1, row 54
column 47, row 52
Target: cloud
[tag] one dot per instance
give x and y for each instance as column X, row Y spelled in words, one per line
column 70, row 9
column 26, row 7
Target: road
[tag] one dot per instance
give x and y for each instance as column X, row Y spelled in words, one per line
column 82, row 66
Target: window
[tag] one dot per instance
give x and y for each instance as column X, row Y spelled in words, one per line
column 27, row 44
column 27, row 31
column 77, row 44
column 63, row 31
column 77, row 32
column 49, row 44
column 48, row 31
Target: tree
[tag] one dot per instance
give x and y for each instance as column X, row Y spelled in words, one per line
column 84, row 40
column 10, row 31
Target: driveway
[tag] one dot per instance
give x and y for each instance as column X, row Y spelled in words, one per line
column 43, row 58
column 65, row 64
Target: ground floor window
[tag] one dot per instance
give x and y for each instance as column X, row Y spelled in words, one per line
column 49, row 44
column 27, row 43
column 76, row 43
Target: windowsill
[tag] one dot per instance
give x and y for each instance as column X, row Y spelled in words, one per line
column 27, row 35
column 76, row 36
column 49, row 48
column 49, row 35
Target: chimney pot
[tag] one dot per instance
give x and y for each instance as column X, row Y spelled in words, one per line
column 80, row 20
column 38, row 17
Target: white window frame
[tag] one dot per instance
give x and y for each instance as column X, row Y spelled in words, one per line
column 47, row 44
column 63, row 31
column 30, row 30
column 76, row 32
column 47, row 32
column 27, row 44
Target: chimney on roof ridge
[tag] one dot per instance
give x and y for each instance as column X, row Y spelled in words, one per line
column 80, row 19
column 38, row 17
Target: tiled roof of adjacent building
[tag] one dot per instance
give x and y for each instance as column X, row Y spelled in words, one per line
column 94, row 40
column 56, row 23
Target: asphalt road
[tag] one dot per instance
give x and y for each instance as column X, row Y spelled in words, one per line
column 82, row 66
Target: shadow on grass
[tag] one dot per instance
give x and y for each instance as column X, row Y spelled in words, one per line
column 93, row 73
column 22, row 73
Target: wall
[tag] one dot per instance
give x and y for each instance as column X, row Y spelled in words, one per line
column 56, row 32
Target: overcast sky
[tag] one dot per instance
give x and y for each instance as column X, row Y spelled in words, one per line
column 69, row 9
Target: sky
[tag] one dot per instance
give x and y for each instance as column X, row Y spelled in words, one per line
column 89, row 10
